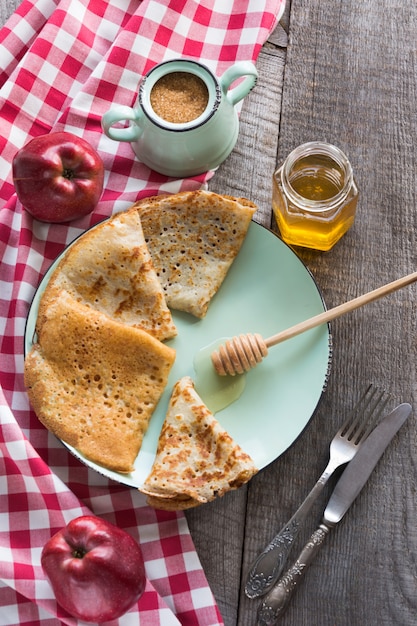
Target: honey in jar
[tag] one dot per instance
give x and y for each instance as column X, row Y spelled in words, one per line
column 314, row 196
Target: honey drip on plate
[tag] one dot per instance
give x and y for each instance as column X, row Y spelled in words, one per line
column 216, row 391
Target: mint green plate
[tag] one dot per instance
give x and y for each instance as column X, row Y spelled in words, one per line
column 266, row 290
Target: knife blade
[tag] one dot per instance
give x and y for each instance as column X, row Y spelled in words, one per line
column 360, row 468
column 344, row 494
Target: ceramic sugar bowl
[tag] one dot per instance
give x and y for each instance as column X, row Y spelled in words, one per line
column 185, row 120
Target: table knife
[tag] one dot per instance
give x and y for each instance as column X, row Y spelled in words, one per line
column 345, row 492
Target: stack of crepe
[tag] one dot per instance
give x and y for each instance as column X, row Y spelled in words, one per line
column 95, row 382
column 99, row 367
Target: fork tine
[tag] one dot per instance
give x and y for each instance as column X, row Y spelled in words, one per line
column 374, row 415
column 354, row 414
column 365, row 409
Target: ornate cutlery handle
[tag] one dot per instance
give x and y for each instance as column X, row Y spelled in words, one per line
column 277, row 600
column 268, row 566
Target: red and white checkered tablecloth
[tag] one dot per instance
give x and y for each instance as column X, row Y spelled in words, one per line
column 62, row 64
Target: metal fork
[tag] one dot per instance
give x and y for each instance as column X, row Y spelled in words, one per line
column 268, row 566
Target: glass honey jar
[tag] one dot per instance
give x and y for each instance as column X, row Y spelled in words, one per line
column 314, row 196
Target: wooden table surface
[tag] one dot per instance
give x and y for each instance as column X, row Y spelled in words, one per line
column 346, row 73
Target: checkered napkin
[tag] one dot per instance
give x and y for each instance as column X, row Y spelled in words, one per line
column 63, row 63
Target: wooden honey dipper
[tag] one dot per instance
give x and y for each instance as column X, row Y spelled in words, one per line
column 242, row 353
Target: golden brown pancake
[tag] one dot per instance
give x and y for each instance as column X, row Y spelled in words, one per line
column 110, row 270
column 196, row 459
column 193, row 238
column 95, row 382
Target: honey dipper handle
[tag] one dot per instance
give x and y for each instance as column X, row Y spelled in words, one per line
column 340, row 310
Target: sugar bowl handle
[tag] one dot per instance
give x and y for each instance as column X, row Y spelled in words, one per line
column 239, row 69
column 121, row 113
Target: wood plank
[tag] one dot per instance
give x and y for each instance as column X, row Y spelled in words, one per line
column 248, row 170
column 7, row 7
column 350, row 79
column 218, row 529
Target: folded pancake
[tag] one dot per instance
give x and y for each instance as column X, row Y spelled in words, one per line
column 94, row 382
column 193, row 238
column 110, row 270
column 196, row 459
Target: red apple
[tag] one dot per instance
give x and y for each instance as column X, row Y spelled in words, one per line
column 58, row 177
column 95, row 568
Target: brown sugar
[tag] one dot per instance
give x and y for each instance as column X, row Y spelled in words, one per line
column 179, row 97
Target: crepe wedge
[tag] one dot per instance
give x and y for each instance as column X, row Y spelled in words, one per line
column 193, row 238
column 110, row 270
column 95, row 382
column 196, row 459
